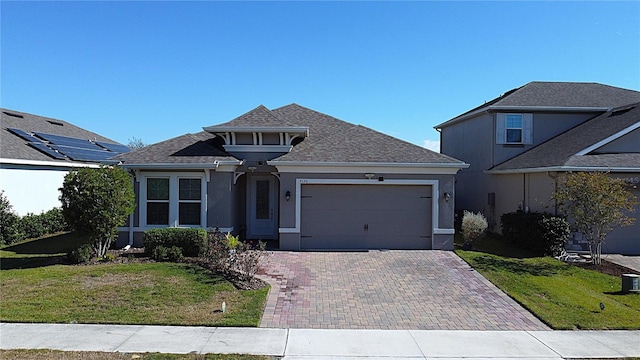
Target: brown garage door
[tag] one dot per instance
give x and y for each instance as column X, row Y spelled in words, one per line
column 365, row 216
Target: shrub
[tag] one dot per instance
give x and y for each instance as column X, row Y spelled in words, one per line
column 246, row 259
column 473, row 226
column 9, row 221
column 542, row 233
column 163, row 253
column 32, row 226
column 82, row 254
column 108, row 257
column 191, row 242
column 555, row 232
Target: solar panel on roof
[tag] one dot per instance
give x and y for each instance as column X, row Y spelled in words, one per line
column 117, row 148
column 68, row 141
column 23, row 134
column 42, row 147
column 82, row 154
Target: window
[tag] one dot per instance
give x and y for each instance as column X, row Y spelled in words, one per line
column 514, row 129
column 157, row 201
column 190, row 199
column 173, row 200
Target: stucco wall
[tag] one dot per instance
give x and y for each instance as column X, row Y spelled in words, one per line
column 32, row 191
column 627, row 143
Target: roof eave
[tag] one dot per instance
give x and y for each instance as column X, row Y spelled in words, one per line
column 491, row 108
column 564, row 169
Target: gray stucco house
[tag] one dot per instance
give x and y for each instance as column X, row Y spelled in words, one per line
column 36, row 152
column 303, row 178
column 521, row 142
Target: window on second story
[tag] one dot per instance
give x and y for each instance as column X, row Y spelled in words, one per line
column 514, row 129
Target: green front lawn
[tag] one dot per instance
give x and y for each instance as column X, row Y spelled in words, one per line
column 130, row 293
column 563, row 296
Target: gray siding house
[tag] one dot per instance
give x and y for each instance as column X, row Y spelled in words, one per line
column 303, row 178
column 518, row 145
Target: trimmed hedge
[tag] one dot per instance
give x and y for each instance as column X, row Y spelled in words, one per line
column 542, row 233
column 192, row 241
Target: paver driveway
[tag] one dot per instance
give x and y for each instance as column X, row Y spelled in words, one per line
column 385, row 290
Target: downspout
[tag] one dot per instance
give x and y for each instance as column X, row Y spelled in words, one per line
column 133, row 184
column 555, row 189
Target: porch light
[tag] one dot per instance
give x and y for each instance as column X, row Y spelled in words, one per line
column 287, row 195
column 252, row 168
column 446, row 196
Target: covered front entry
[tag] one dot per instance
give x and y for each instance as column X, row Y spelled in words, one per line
column 371, row 216
column 262, row 207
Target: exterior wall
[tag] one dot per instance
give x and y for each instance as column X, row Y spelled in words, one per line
column 441, row 239
column 545, row 126
column 473, row 141
column 220, row 200
column 32, row 191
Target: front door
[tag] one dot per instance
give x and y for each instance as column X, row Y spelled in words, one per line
column 262, row 209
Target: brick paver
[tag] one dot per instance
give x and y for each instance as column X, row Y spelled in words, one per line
column 385, row 290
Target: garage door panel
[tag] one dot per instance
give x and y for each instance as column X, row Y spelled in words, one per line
column 365, row 217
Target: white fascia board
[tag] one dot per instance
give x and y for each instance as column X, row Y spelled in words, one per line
column 564, row 169
column 258, row 129
column 258, row 148
column 520, row 109
column 615, row 136
column 30, row 164
column 366, row 167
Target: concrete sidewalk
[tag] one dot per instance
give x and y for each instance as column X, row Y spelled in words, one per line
column 310, row 344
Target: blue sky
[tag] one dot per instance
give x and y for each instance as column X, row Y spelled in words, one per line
column 155, row 70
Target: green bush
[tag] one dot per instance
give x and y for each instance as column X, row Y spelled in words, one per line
column 163, row 253
column 14, row 228
column 192, row 242
column 82, row 254
column 542, row 233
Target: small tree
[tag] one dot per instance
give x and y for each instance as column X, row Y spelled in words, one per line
column 95, row 202
column 597, row 204
column 8, row 222
column 135, row 143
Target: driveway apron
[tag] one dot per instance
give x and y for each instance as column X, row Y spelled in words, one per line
column 385, row 290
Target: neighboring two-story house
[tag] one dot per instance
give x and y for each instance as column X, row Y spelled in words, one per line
column 518, row 145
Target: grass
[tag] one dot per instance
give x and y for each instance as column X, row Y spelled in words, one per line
column 109, row 293
column 563, row 296
column 43, row 251
column 93, row 355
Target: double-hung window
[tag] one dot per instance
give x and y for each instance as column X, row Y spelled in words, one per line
column 173, row 200
column 514, row 129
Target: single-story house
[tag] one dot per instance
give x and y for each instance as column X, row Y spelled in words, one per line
column 520, row 144
column 297, row 176
column 36, row 153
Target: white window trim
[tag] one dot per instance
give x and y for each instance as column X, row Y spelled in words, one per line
column 174, row 201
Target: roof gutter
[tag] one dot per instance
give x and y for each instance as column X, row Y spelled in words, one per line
column 564, row 169
column 181, row 166
column 459, row 165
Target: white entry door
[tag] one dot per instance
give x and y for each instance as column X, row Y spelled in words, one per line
column 262, row 209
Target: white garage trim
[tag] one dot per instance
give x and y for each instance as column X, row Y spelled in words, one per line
column 432, row 183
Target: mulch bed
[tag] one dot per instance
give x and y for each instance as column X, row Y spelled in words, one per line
column 608, row 268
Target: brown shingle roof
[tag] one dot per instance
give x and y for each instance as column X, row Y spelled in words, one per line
column 329, row 140
column 554, row 95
